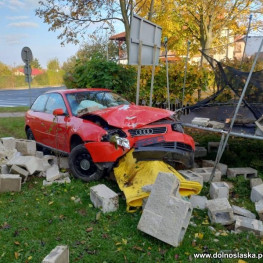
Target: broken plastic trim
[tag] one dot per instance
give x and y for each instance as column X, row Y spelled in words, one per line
column 122, row 142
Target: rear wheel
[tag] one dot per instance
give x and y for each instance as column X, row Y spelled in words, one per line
column 82, row 166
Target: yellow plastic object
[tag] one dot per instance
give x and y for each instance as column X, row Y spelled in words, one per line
column 132, row 176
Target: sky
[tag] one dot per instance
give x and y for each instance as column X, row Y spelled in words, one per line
column 20, row 27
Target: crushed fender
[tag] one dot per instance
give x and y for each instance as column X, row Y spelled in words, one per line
column 131, row 176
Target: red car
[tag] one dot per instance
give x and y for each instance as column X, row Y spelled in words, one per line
column 96, row 127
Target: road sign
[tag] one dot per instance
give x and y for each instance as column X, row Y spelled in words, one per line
column 27, row 70
column 26, row 55
column 145, row 42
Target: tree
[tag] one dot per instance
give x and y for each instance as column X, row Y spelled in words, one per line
column 76, row 17
column 4, row 70
column 53, row 65
column 35, row 63
column 203, row 21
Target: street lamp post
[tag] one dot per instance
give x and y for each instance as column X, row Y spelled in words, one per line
column 107, row 47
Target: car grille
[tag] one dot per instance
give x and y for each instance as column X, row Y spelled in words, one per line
column 172, row 145
column 147, row 131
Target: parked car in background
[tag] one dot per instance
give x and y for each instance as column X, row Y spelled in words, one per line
column 96, row 127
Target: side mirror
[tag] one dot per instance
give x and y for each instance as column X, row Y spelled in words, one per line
column 58, row 112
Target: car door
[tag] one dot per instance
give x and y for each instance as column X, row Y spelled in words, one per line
column 56, row 126
column 35, row 118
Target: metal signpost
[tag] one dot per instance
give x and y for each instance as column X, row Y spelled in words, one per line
column 27, row 57
column 145, row 44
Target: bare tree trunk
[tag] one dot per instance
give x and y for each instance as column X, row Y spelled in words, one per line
column 151, row 10
column 126, row 22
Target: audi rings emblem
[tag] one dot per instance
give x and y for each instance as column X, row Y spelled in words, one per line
column 143, row 132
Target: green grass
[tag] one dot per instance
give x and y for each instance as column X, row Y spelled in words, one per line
column 12, row 127
column 35, row 220
column 13, row 109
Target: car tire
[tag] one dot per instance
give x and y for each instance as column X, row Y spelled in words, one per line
column 82, row 166
column 30, row 135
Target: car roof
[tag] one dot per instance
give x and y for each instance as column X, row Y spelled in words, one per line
column 68, row 91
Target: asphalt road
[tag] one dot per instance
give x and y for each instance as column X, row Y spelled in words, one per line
column 21, row 97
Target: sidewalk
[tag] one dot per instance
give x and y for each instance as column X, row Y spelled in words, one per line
column 12, row 114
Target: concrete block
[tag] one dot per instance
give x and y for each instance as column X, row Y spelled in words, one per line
column 200, row 121
column 220, row 166
column 206, row 173
column 248, row 224
column 52, row 173
column 241, row 211
column 60, row 254
column 213, row 146
column 63, row 162
column 39, row 154
column 60, row 181
column 31, row 163
column 4, row 169
column 247, row 172
column 256, row 193
column 191, row 176
column 9, row 143
column 220, row 211
column 104, row 198
column 10, row 183
column 48, row 161
column 198, row 201
column 200, row 152
column 216, row 125
column 165, row 216
column 6, row 155
column 259, row 123
column 18, row 170
column 26, row 147
column 259, row 208
column 219, row 190
column 255, row 182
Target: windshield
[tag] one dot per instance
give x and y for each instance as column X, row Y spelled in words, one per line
column 88, row 101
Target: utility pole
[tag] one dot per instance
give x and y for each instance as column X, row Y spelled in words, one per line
column 107, row 47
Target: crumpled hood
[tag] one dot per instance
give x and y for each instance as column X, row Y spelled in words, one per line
column 131, row 116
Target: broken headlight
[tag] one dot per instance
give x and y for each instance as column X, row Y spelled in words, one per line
column 177, row 127
column 122, row 142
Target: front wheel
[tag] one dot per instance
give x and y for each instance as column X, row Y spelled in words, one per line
column 82, row 166
column 30, row 135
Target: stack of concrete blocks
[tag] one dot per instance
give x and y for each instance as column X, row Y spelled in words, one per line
column 220, row 211
column 241, row 211
column 220, row 166
column 259, row 124
column 247, row 172
column 219, row 190
column 256, row 193
column 60, row 254
column 10, row 183
column 200, row 121
column 104, row 198
column 206, row 173
column 248, row 224
column 166, row 216
column 198, row 201
column 191, row 176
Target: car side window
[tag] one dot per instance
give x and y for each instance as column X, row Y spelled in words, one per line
column 55, row 101
column 40, row 103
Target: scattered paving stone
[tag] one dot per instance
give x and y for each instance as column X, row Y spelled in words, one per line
column 259, row 208
column 165, row 216
column 256, row 193
column 220, row 166
column 219, row 190
column 10, row 183
column 18, row 170
column 198, row 201
column 247, row 172
column 60, row 254
column 216, row 125
column 200, row 121
column 255, row 182
column 248, row 224
column 220, row 211
column 104, row 198
column 241, row 211
column 61, row 181
column 52, row 173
